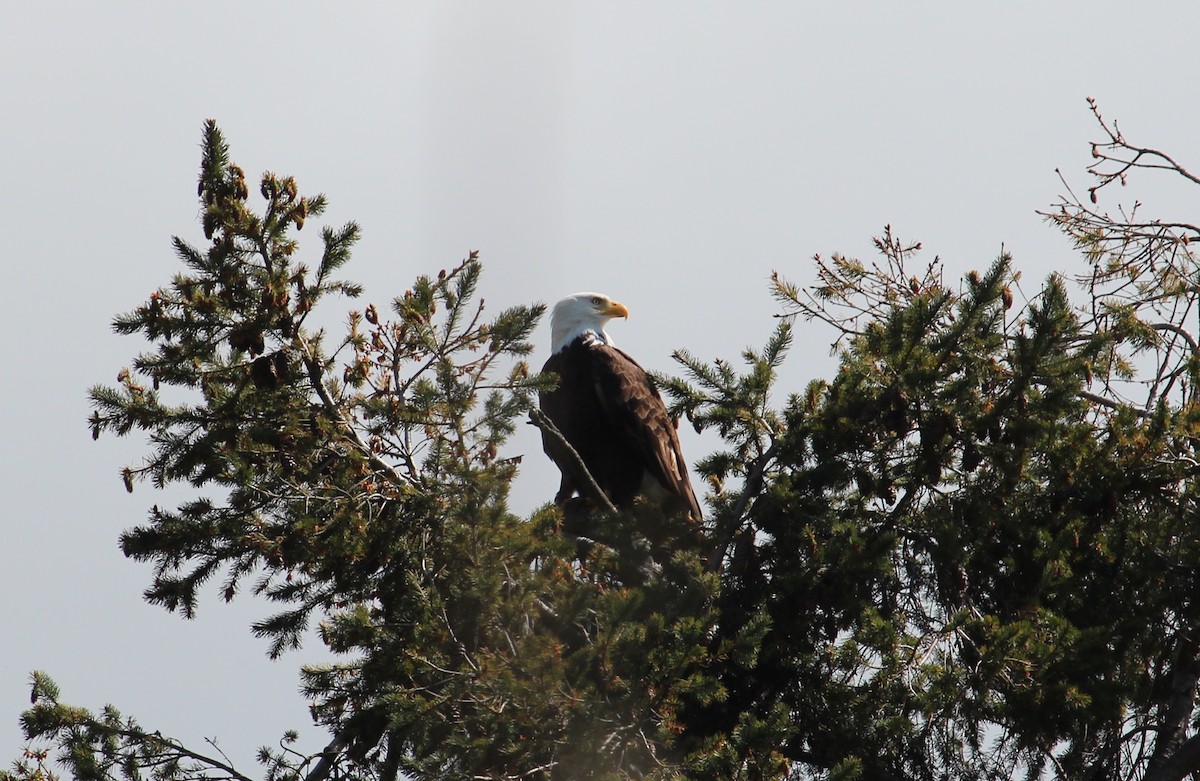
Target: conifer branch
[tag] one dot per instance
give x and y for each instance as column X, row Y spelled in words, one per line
column 751, row 488
column 171, row 749
column 1031, row 541
column 316, row 377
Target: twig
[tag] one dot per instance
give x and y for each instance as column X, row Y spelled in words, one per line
column 1181, row 333
column 1104, row 401
column 569, row 459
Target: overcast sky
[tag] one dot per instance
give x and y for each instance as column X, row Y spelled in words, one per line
column 669, row 154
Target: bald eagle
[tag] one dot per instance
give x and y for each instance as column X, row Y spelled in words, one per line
column 607, row 408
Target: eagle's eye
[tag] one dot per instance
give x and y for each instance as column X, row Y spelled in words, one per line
column 597, row 300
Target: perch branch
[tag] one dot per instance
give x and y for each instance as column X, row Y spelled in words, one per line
column 568, row 459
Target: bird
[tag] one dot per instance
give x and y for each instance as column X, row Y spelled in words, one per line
column 608, row 409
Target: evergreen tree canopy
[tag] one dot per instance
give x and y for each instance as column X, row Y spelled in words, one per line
column 970, row 553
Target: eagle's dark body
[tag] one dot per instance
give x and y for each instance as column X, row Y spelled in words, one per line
column 607, row 408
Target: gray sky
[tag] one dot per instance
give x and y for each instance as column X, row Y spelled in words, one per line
column 671, row 155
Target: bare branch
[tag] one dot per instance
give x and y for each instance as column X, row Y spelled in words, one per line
column 1181, row 333
column 567, row 457
column 1104, row 401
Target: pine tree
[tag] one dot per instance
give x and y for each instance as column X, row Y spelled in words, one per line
column 362, row 488
column 970, row 553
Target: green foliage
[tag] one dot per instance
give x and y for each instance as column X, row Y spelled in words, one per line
column 362, row 490
column 94, row 747
column 969, row 567
column 967, row 554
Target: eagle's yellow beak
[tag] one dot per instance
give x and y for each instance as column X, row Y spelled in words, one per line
column 615, row 309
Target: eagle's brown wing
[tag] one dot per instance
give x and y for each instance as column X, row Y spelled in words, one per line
column 633, row 405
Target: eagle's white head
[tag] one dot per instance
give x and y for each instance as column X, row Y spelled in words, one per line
column 580, row 314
